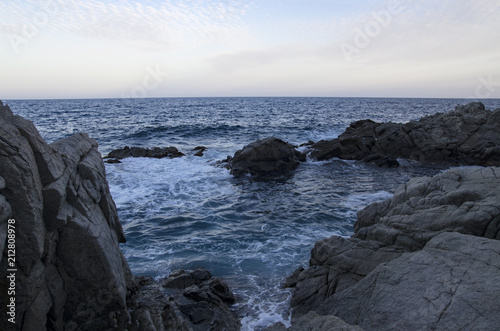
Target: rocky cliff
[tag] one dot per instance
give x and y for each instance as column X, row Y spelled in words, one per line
column 69, row 271
column 469, row 135
column 427, row 259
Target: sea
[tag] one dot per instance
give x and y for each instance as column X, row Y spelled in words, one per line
column 189, row 212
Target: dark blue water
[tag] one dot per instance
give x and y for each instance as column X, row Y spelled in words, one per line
column 188, row 213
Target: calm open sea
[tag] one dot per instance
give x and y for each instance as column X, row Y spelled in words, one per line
column 187, row 213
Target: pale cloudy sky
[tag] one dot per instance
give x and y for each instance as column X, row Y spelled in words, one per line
column 172, row 48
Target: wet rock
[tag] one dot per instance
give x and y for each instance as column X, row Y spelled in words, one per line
column 381, row 160
column 270, row 157
column 199, row 150
column 156, row 152
column 469, row 135
column 112, row 161
column 184, row 301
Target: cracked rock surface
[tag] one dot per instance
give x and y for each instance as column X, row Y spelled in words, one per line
column 427, row 259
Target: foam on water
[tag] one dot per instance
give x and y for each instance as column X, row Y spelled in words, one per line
column 188, row 213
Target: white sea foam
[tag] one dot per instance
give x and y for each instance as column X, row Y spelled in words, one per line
column 166, row 184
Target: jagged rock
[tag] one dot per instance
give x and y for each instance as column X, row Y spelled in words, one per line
column 193, row 301
column 270, row 157
column 70, row 270
column 423, row 260
column 156, row 152
column 469, row 135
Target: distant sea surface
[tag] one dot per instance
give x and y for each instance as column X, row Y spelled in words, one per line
column 187, row 213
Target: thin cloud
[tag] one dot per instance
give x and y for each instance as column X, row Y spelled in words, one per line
column 431, row 31
column 159, row 25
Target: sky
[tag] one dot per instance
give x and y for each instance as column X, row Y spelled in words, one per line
column 179, row 48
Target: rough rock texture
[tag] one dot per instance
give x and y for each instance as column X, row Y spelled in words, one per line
column 469, row 135
column 70, row 270
column 156, row 152
column 270, row 157
column 428, row 259
column 465, row 201
column 451, row 284
column 71, row 274
column 183, row 301
column 314, row 322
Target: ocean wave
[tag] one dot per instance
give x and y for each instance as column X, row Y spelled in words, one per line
column 185, row 130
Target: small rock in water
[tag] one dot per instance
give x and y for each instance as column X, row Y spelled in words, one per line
column 199, row 150
column 156, row 152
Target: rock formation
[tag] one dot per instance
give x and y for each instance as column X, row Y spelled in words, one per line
column 469, row 135
column 157, row 152
column 270, row 157
column 196, row 301
column 70, row 272
column 428, row 259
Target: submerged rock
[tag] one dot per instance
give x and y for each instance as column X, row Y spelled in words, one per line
column 426, row 259
column 270, row 157
column 469, row 135
column 156, row 152
column 199, row 150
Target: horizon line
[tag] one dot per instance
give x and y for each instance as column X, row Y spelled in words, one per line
column 242, row 97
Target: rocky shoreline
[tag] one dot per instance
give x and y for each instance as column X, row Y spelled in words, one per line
column 71, row 273
column 427, row 259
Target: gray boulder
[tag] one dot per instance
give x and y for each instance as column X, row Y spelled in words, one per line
column 409, row 264
column 270, row 157
column 469, row 135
